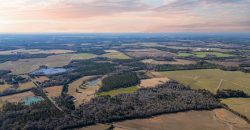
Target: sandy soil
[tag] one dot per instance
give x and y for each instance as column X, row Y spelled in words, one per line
column 152, row 82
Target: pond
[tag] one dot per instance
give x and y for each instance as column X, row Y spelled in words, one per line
column 93, row 83
column 49, row 71
column 32, row 100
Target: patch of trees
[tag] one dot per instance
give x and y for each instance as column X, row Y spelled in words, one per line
column 229, row 93
column 19, row 116
column 167, row 98
column 121, row 80
column 4, row 72
column 15, row 79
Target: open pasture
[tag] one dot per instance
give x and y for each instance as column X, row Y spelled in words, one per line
column 240, row 105
column 211, row 79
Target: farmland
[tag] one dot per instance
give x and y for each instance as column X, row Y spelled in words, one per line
column 148, row 53
column 54, row 91
column 210, row 79
column 145, row 83
column 240, row 105
column 83, row 56
column 17, row 97
column 115, row 55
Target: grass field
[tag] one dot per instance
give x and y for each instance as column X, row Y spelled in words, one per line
column 184, row 54
column 116, row 55
column 204, row 54
column 211, row 79
column 240, row 105
column 119, row 91
column 17, row 97
column 54, row 91
column 83, row 56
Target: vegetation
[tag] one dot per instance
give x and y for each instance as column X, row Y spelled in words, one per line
column 166, row 98
column 122, row 80
column 119, row 91
column 228, row 93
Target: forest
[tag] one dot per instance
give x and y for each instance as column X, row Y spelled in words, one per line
column 117, row 81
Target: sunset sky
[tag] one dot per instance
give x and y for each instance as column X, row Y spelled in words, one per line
column 124, row 16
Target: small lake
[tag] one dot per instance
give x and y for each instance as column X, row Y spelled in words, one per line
column 49, row 71
column 32, row 100
column 93, row 83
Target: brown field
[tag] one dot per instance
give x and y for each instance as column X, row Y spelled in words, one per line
column 17, row 97
column 148, row 53
column 83, row 95
column 40, row 79
column 28, row 65
column 145, row 83
column 34, row 51
column 27, row 85
column 218, row 119
column 96, row 127
column 54, row 91
column 240, row 105
column 177, row 62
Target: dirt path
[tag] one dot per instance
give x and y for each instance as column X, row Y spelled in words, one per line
column 218, row 87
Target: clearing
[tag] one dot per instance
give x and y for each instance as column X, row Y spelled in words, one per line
column 210, row 79
column 82, row 90
column 145, row 83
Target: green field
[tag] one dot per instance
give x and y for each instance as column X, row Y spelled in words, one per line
column 185, row 54
column 204, row 54
column 83, row 56
column 212, row 79
column 119, row 91
column 240, row 105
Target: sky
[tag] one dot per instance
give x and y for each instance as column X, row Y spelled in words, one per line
column 27, row 16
